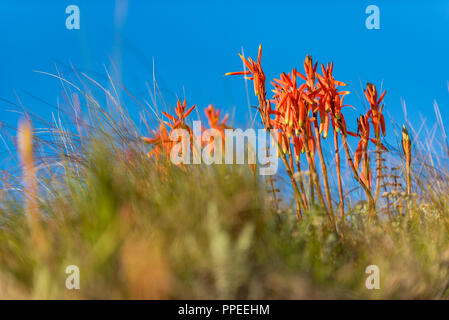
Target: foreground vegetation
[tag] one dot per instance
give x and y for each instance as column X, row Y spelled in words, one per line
column 138, row 232
column 138, row 226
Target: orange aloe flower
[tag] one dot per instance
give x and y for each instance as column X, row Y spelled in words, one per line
column 375, row 112
column 293, row 105
column 254, row 72
column 289, row 100
column 310, row 138
column 213, row 117
column 161, row 142
column 181, row 115
column 361, row 152
column 330, row 98
column 310, row 72
column 363, row 133
column 298, row 147
column 315, row 96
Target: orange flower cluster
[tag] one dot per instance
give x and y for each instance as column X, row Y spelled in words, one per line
column 378, row 121
column 362, row 148
column 213, row 117
column 304, row 107
column 161, row 142
column 299, row 115
column 363, row 129
column 375, row 112
column 256, row 74
column 178, row 121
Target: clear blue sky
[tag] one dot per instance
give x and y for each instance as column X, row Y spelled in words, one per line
column 193, row 43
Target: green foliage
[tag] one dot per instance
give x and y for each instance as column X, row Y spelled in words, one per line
column 141, row 229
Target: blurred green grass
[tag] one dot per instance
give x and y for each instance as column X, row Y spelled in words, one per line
column 141, row 228
column 138, row 229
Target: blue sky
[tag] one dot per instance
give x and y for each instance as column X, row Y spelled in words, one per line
column 193, row 43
